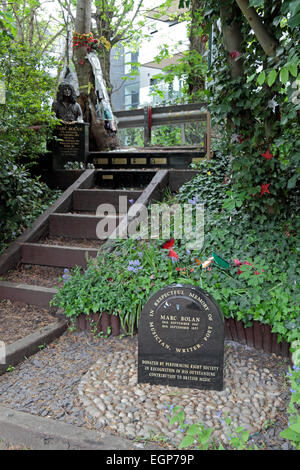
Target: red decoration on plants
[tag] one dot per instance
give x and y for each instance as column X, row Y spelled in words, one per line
column 173, row 254
column 267, row 155
column 168, row 244
column 264, row 188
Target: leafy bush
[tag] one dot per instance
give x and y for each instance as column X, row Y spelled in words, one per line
column 261, row 283
column 22, row 200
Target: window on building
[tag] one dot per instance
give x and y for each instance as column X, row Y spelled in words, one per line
column 130, row 59
column 132, row 96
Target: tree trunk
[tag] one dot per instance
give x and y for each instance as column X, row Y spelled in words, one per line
column 232, row 38
column 82, row 66
column 100, row 139
column 196, row 81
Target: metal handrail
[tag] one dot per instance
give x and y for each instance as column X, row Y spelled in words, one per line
column 148, row 117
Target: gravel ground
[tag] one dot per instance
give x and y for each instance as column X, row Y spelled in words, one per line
column 18, row 319
column 46, row 276
column 77, row 242
column 91, row 382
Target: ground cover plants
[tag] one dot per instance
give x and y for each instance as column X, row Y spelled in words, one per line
column 260, row 283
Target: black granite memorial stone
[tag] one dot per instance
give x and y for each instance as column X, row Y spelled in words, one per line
column 71, row 144
column 181, row 339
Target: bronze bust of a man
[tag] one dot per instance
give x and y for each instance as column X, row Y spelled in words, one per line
column 66, row 107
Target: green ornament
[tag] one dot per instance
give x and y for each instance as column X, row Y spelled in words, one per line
column 220, row 261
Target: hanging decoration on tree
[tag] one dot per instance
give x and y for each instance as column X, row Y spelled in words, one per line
column 88, row 40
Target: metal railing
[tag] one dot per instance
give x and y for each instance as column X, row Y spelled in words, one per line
column 149, row 117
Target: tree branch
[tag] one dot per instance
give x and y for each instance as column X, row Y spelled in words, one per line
column 267, row 42
column 52, row 39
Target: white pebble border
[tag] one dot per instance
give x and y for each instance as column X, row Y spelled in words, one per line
column 112, row 397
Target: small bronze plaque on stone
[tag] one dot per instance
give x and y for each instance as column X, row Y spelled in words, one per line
column 181, row 339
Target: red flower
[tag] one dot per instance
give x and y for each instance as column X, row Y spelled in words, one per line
column 267, row 155
column 168, row 244
column 264, row 188
column 173, row 254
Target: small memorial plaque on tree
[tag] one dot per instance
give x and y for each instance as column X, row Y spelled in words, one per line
column 181, row 339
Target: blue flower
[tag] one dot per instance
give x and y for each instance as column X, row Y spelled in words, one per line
column 193, row 201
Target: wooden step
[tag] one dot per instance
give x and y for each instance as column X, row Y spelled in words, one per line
column 29, row 294
column 56, row 255
column 90, row 199
column 79, row 226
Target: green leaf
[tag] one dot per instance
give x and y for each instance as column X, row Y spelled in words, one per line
column 293, row 69
column 271, row 77
column 294, row 21
column 256, row 3
column 187, row 441
column 193, row 430
column 284, row 75
column 292, row 182
column 261, row 77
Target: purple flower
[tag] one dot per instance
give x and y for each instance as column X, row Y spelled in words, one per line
column 131, row 201
column 66, row 276
column 134, row 266
column 193, row 201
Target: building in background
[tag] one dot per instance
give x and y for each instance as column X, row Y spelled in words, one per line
column 135, row 92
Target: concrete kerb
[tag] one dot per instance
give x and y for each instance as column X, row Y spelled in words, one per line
column 19, row 350
column 37, row 433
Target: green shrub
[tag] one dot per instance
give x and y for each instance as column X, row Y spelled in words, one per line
column 22, row 200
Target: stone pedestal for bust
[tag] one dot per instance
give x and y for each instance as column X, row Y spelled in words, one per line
column 71, row 144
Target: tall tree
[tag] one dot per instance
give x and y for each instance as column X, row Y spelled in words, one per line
column 31, row 26
column 100, row 138
column 116, row 21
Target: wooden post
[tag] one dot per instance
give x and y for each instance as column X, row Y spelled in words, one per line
column 147, row 125
column 208, row 136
